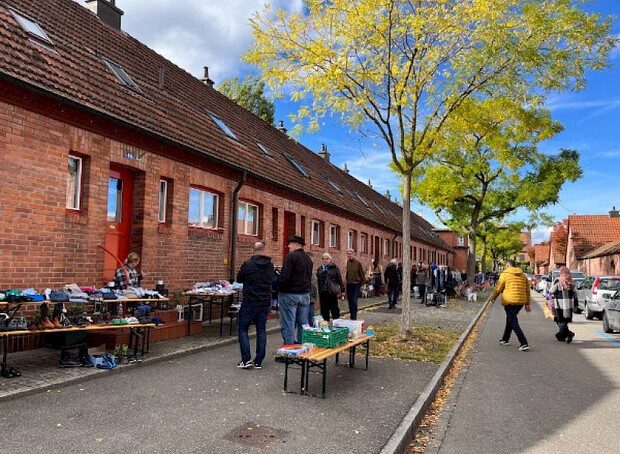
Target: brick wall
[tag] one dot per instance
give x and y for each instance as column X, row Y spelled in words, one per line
column 44, row 245
column 600, row 266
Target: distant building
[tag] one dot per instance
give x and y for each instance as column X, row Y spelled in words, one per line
column 460, row 246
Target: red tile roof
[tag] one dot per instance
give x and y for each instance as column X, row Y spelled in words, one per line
column 588, row 232
column 174, row 111
column 541, row 252
column 605, row 249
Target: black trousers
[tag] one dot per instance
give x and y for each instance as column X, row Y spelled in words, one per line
column 512, row 323
column 329, row 306
column 563, row 332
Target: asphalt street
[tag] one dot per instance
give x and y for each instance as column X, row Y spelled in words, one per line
column 556, row 398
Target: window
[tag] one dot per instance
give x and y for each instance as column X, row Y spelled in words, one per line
column 264, row 149
column 364, row 243
column 32, row 28
column 120, row 73
column 362, row 200
column 386, row 248
column 74, row 183
column 302, row 221
column 351, row 240
column 460, row 241
column 335, row 186
column 203, row 209
column 247, row 219
column 163, row 200
column 225, row 129
column 297, row 166
column 334, row 236
column 315, row 236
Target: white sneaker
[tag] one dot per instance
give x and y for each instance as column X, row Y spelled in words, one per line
column 245, row 364
column 523, row 348
column 503, row 342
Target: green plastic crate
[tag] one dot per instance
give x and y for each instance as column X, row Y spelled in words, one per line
column 329, row 339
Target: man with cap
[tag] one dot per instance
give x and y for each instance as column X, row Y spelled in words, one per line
column 294, row 297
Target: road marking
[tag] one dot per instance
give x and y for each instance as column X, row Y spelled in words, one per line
column 615, row 342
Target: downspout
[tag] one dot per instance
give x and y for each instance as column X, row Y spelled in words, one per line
column 233, row 228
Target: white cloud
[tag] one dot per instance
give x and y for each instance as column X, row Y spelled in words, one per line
column 541, row 234
column 196, row 33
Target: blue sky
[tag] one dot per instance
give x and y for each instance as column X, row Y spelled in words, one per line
column 197, row 33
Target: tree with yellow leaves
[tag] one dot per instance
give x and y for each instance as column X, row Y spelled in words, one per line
column 403, row 67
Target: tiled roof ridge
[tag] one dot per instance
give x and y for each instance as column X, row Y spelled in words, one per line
column 173, row 111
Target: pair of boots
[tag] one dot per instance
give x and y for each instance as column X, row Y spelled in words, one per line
column 122, row 353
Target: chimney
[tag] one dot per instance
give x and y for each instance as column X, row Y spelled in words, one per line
column 345, row 169
column 205, row 80
column 388, row 195
column 107, row 11
column 421, row 213
column 614, row 214
column 281, row 127
column 324, row 153
column 369, row 184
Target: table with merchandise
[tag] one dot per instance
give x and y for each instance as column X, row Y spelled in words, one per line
column 206, row 298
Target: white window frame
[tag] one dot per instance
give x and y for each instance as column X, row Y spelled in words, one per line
column 333, row 236
column 163, row 200
column 315, row 232
column 201, row 214
column 386, row 247
column 460, row 241
column 77, row 190
column 245, row 221
column 351, row 240
column 363, row 243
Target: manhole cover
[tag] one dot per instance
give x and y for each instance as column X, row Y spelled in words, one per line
column 251, row 434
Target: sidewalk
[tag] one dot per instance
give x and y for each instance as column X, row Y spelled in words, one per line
column 556, row 398
column 192, row 403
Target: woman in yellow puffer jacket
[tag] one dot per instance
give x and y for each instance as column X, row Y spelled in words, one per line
column 515, row 291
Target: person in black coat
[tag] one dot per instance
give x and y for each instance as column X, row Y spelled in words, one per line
column 392, row 279
column 330, row 287
column 256, row 275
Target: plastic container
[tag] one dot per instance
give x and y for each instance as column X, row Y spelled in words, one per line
column 328, row 339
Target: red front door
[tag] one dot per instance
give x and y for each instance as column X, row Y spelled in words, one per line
column 289, row 230
column 118, row 219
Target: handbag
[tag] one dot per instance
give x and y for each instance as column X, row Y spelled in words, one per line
column 333, row 287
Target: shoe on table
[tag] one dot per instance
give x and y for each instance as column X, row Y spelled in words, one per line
column 245, row 364
column 523, row 348
column 503, row 342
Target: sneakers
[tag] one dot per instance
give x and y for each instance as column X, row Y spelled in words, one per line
column 257, row 366
column 503, row 342
column 523, row 348
column 569, row 338
column 245, row 364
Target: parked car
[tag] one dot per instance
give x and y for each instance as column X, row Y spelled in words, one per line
column 542, row 283
column 534, row 281
column 611, row 314
column 595, row 292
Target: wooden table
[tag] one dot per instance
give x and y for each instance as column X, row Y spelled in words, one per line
column 223, row 300
column 317, row 358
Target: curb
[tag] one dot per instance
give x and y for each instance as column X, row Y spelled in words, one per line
column 401, row 438
column 96, row 374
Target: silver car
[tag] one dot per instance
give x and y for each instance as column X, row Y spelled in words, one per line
column 555, row 274
column 595, row 292
column 611, row 314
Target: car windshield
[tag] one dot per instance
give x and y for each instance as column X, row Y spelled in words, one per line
column 609, row 284
column 577, row 274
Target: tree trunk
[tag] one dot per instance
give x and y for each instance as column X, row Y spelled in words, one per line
column 484, row 257
column 405, row 327
column 471, row 256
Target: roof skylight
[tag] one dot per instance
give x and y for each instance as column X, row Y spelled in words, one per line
column 334, row 186
column 120, row 73
column 222, row 126
column 31, row 27
column 264, row 149
column 362, row 200
column 297, row 166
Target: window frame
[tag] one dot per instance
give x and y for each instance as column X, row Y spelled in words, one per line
column 223, row 126
column 364, row 243
column 257, row 217
column 79, row 184
column 165, row 201
column 121, row 74
column 216, row 209
column 386, row 247
column 336, row 237
column 352, row 240
column 315, row 236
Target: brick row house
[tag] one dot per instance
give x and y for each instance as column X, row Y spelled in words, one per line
column 593, row 244
column 541, row 258
column 106, row 143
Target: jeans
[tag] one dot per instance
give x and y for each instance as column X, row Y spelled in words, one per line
column 294, row 310
column 258, row 315
column 392, row 294
column 512, row 323
column 311, row 313
column 422, row 289
column 353, row 291
column 377, row 286
column 329, row 305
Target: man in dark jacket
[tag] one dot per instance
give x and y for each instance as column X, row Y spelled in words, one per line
column 356, row 278
column 256, row 275
column 295, row 283
column 392, row 278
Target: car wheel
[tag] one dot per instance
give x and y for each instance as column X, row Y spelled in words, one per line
column 606, row 324
column 589, row 313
